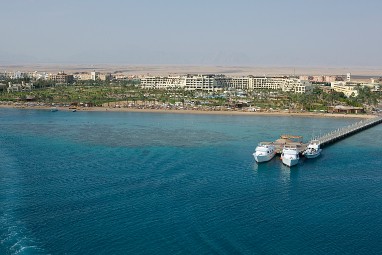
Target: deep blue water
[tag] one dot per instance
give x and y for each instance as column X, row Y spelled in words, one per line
column 145, row 183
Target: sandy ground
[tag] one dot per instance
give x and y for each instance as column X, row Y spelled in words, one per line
column 181, row 69
column 110, row 109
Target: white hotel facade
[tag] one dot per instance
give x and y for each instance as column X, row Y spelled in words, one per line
column 215, row 83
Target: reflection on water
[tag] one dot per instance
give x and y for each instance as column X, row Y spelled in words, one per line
column 289, row 174
column 275, row 166
column 285, row 173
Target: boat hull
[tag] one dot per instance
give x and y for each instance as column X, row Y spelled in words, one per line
column 290, row 161
column 263, row 158
column 313, row 155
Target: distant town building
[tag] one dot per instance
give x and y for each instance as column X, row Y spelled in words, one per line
column 84, row 76
column 94, row 75
column 104, row 76
column 348, row 76
column 14, row 75
column 19, row 87
column 319, row 78
column 61, row 77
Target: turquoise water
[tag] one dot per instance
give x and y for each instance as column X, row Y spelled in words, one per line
column 145, row 183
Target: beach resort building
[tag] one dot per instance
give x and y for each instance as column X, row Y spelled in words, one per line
column 296, row 86
column 162, row 82
column 348, row 88
column 207, row 83
column 345, row 109
column 210, row 83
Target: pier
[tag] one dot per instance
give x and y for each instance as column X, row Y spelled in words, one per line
column 289, row 140
column 326, row 139
column 344, row 132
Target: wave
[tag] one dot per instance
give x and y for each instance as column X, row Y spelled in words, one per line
column 14, row 236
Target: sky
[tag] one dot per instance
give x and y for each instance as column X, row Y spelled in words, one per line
column 335, row 33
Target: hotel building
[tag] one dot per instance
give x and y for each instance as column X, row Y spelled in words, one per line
column 349, row 88
column 210, row 83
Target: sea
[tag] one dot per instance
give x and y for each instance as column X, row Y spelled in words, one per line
column 166, row 183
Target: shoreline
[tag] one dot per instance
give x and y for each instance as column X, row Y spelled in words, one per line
column 198, row 111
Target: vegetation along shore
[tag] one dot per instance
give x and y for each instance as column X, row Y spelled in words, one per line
column 128, row 94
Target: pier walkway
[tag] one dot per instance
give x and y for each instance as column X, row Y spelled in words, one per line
column 326, row 139
column 344, row 132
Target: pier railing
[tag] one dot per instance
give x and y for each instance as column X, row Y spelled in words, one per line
column 341, row 133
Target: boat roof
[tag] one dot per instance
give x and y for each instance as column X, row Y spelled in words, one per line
column 293, row 147
column 290, row 136
column 265, row 143
column 283, row 140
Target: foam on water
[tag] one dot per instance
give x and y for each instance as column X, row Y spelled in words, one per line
column 14, row 236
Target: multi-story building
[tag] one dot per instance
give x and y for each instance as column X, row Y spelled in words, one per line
column 61, row 77
column 296, row 86
column 84, row 76
column 162, row 82
column 348, row 88
column 208, row 83
column 212, row 83
column 14, row 75
column 319, row 78
column 104, row 76
column 94, row 75
column 19, row 87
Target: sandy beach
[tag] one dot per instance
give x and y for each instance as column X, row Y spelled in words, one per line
column 182, row 111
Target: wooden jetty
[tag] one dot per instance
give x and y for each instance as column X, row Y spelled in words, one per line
column 344, row 132
column 288, row 140
column 326, row 139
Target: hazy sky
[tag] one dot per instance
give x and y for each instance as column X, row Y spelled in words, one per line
column 338, row 33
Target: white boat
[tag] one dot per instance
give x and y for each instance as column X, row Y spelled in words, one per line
column 313, row 150
column 264, row 152
column 290, row 155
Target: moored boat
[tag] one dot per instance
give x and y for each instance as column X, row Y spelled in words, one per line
column 264, row 152
column 290, row 155
column 313, row 149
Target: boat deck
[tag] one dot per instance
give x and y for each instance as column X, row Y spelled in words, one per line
column 280, row 145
